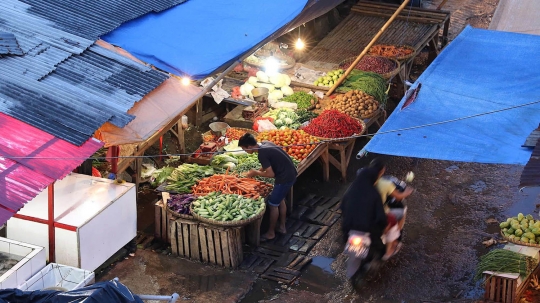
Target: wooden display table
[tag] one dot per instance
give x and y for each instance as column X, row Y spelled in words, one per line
column 319, row 153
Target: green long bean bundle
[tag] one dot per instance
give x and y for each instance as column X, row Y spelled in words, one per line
column 502, row 260
column 370, row 83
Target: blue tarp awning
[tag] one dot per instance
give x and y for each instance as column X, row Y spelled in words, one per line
column 197, row 38
column 480, row 72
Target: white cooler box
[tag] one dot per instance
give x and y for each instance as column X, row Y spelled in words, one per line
column 59, row 276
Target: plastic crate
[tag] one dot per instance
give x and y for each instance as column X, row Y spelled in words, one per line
column 57, row 275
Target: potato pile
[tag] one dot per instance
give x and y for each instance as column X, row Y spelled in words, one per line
column 355, row 103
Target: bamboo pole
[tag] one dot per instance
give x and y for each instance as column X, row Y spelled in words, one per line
column 366, row 49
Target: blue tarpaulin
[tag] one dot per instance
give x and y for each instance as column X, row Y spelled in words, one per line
column 197, row 37
column 480, row 72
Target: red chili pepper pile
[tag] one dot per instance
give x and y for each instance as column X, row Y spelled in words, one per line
column 333, row 124
column 379, row 65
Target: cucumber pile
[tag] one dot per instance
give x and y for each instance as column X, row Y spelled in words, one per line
column 227, row 207
column 330, row 78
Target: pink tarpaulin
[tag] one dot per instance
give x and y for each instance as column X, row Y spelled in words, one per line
column 31, row 159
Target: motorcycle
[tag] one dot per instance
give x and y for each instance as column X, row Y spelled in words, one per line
column 363, row 258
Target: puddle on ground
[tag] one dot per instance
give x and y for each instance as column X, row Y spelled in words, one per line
column 202, row 282
column 526, row 203
column 318, row 277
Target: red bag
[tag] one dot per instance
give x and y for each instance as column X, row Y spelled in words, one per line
column 256, row 124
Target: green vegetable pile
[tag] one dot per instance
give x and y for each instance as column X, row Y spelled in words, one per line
column 160, row 175
column 305, row 115
column 302, row 99
column 502, row 260
column 224, row 207
column 185, row 176
column 522, row 228
column 284, row 118
column 371, row 83
column 244, row 163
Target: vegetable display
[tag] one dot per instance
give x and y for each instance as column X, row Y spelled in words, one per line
column 181, row 203
column 229, row 184
column 305, row 115
column 379, row 65
column 330, row 78
column 234, row 133
column 160, row 175
column 297, row 143
column 502, row 260
column 277, row 84
column 185, row 176
column 302, row 99
column 334, row 124
column 355, row 103
column 283, row 118
column 371, row 83
column 223, row 207
column 522, row 228
column 391, row 51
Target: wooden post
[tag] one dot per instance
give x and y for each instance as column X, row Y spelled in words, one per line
column 52, row 235
column 366, row 49
column 199, row 112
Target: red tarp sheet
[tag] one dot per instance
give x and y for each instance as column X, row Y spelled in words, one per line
column 47, row 159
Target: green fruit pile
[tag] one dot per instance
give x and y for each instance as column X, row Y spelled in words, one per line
column 522, row 228
column 330, row 78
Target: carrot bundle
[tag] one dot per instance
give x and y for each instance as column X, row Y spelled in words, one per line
column 230, row 184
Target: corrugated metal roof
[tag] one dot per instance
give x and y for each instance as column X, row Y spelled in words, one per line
column 530, row 176
column 21, row 179
column 9, row 45
column 92, row 19
column 532, row 139
column 63, row 84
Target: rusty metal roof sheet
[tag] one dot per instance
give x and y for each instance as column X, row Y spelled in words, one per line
column 30, row 160
column 62, row 83
column 92, row 19
column 9, row 45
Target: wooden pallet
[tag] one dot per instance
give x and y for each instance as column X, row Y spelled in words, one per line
column 184, row 235
column 289, row 270
column 256, row 263
column 317, row 215
column 330, row 203
column 221, row 246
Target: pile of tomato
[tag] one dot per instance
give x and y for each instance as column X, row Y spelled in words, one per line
column 297, row 143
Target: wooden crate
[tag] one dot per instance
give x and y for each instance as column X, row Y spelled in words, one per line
column 161, row 222
column 221, row 246
column 184, row 235
column 502, row 287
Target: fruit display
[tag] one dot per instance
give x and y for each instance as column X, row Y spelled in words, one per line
column 297, row 143
column 224, row 207
column 329, row 79
column 522, row 228
column 355, row 103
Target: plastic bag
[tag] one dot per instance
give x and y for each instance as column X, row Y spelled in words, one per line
column 265, row 125
column 256, row 122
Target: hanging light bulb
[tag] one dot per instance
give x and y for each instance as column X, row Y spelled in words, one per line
column 299, row 44
column 185, row 81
